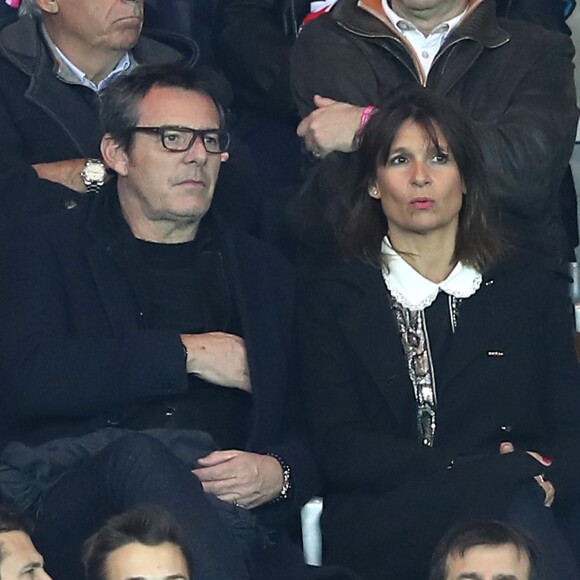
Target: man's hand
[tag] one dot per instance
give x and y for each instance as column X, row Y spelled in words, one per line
column 67, row 173
column 240, row 477
column 331, row 127
column 549, row 489
column 219, row 358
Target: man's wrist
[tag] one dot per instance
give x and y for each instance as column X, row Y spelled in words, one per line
column 287, row 487
column 365, row 116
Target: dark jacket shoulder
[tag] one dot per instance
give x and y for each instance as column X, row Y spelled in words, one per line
column 525, row 272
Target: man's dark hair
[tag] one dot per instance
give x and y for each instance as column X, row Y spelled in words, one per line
column 147, row 525
column 469, row 535
column 11, row 521
column 364, row 224
column 119, row 102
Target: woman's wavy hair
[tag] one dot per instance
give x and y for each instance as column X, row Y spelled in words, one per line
column 361, row 223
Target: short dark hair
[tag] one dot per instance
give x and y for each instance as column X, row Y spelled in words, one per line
column 148, row 525
column 363, row 225
column 119, row 102
column 490, row 533
column 11, row 521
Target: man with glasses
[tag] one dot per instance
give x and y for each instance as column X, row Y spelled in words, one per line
column 55, row 60
column 146, row 347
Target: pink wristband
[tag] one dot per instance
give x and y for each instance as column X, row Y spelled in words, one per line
column 365, row 116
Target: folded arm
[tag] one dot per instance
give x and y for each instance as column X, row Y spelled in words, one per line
column 526, row 132
column 59, row 357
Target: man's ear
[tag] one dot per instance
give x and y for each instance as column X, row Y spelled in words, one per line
column 224, row 156
column 48, row 6
column 114, row 155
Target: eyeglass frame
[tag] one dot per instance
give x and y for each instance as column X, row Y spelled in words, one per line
column 195, row 133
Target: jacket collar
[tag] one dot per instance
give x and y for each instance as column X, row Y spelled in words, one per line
column 22, row 44
column 367, row 18
column 367, row 324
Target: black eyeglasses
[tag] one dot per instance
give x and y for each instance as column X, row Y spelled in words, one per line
column 177, row 138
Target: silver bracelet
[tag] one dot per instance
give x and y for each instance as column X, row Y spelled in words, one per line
column 286, row 478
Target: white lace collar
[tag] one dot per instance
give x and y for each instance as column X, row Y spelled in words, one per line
column 414, row 291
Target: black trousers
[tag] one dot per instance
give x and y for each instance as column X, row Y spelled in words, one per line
column 134, row 470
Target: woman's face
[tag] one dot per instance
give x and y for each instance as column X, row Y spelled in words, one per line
column 419, row 187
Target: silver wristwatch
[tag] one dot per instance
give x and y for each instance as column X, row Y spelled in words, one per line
column 93, row 175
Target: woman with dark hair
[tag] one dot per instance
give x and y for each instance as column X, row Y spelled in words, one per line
column 439, row 365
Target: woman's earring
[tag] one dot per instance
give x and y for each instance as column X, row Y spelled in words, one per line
column 374, row 192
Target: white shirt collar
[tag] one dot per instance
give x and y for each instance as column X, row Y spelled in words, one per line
column 121, row 67
column 425, row 47
column 72, row 74
column 414, row 291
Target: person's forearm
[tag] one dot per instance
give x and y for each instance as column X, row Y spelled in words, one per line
column 67, row 173
column 217, row 357
column 76, row 377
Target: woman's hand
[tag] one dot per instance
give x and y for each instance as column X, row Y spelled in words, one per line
column 549, row 489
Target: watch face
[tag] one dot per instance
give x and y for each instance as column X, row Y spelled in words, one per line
column 93, row 172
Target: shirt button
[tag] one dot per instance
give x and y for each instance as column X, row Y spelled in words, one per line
column 169, row 411
column 425, row 54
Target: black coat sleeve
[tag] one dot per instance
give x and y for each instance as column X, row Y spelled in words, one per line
column 22, row 192
column 528, row 145
column 49, row 369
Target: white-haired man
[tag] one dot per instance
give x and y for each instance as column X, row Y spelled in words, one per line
column 54, row 61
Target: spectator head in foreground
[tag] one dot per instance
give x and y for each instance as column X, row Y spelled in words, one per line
column 484, row 551
column 18, row 556
column 144, row 542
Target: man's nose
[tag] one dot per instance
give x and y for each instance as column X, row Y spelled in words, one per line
column 197, row 152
